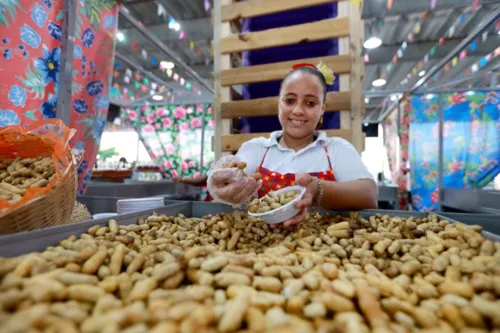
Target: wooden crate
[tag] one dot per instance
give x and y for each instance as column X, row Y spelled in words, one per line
column 229, row 42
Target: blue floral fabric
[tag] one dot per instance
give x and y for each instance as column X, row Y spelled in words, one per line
column 471, row 144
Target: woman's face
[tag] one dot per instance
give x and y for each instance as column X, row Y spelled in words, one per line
column 301, row 105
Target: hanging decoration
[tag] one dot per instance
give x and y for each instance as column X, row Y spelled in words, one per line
column 161, row 10
column 173, row 25
column 401, row 51
column 462, row 19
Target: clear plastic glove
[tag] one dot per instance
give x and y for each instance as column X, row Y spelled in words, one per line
column 230, row 185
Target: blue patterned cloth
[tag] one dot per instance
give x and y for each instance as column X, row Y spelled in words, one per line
column 471, row 144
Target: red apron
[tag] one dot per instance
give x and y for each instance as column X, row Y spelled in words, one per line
column 272, row 181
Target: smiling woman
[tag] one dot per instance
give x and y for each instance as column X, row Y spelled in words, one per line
column 329, row 167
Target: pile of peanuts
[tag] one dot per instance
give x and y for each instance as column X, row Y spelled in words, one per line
column 232, row 273
column 16, row 176
column 271, row 201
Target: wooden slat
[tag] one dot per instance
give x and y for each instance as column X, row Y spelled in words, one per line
column 253, row 8
column 233, row 142
column 340, row 64
column 308, row 32
column 356, row 75
column 335, row 101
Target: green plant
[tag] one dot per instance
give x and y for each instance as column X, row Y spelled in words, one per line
column 93, row 10
column 33, row 81
column 8, row 11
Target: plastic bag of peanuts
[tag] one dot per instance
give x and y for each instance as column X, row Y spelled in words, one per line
column 33, row 160
column 229, row 183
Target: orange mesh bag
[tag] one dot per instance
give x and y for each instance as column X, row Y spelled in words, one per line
column 37, row 207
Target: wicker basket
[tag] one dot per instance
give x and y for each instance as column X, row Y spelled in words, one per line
column 54, row 208
column 80, row 213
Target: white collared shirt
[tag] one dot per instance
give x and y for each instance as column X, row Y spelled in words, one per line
column 346, row 162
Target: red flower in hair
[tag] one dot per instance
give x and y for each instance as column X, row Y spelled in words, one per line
column 304, row 65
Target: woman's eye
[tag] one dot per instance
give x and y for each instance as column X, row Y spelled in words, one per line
column 311, row 104
column 289, row 100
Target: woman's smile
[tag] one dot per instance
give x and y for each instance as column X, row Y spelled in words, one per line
column 298, row 122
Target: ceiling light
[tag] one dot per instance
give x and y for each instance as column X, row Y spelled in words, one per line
column 422, row 73
column 167, row 65
column 367, row 100
column 394, row 98
column 470, row 93
column 379, row 82
column 372, row 43
column 158, row 97
column 498, row 32
column 430, row 96
column 120, row 36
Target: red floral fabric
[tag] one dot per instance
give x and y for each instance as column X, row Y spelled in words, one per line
column 30, row 42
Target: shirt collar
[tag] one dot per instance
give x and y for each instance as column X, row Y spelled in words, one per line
column 321, row 139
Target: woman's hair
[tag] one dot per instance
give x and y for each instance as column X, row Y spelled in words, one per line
column 313, row 72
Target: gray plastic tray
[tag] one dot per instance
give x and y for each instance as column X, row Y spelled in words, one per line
column 33, row 241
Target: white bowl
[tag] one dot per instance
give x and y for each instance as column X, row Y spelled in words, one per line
column 104, row 216
column 136, row 200
column 139, row 204
column 285, row 212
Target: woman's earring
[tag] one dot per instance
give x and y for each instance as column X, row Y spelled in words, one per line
column 320, row 123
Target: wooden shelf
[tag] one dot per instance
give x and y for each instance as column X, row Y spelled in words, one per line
column 302, row 33
column 253, row 8
column 233, row 142
column 340, row 64
column 335, row 101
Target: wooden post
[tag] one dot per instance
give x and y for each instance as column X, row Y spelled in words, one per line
column 352, row 46
column 357, row 110
column 221, row 62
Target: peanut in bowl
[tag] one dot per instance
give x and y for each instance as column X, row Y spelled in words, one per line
column 277, row 206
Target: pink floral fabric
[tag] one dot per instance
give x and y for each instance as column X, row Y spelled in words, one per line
column 172, row 136
column 396, row 137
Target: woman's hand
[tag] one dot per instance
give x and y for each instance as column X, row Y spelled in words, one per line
column 200, row 181
column 231, row 186
column 303, row 204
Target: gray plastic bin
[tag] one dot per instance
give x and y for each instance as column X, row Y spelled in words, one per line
column 25, row 242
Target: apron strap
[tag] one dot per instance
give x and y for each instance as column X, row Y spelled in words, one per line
column 328, row 157
column 264, row 157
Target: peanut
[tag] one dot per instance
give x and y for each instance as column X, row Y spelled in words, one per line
column 228, row 271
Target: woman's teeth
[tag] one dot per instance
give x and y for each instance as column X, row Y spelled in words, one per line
column 299, row 122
